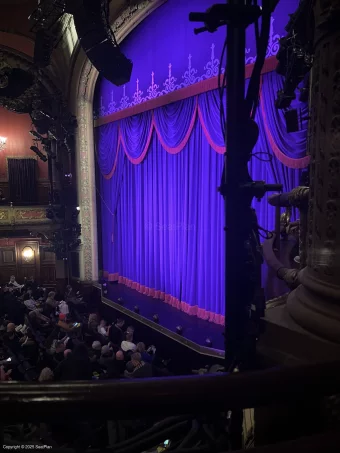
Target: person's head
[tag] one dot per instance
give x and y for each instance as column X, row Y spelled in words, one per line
column 93, row 317
column 51, row 295
column 32, row 315
column 12, row 278
column 120, row 355
column 32, row 278
column 106, row 351
column 10, row 328
column 30, row 292
column 67, row 352
column 103, row 323
column 140, row 347
column 130, row 330
column 68, row 288
column 136, row 358
column 46, row 375
column 96, row 346
column 120, row 322
column 129, row 337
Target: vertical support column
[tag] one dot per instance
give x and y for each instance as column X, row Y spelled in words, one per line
column 86, row 179
column 315, row 304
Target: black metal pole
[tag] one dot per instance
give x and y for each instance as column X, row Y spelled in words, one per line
column 234, row 177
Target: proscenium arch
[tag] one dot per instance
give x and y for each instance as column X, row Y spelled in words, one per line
column 82, row 87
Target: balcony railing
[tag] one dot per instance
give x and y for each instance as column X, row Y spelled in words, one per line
column 196, row 401
column 167, row 396
column 11, row 215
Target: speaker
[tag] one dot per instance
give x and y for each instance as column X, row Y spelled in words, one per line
column 91, row 20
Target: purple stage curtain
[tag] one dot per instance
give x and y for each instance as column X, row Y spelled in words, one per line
column 209, row 114
column 289, row 148
column 135, row 135
column 162, row 220
column 107, row 139
column 174, row 123
column 168, row 241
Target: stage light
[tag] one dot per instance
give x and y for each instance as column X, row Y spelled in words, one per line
column 37, row 151
column 136, row 309
column 155, row 318
column 120, row 300
column 78, row 208
column 208, row 343
column 179, row 330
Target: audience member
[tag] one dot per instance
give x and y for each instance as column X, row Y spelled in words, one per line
column 97, row 348
column 63, row 308
column 93, row 323
column 11, row 340
column 120, row 362
column 116, row 333
column 15, row 310
column 46, row 375
column 50, row 304
column 69, row 293
column 128, row 344
column 140, row 369
column 129, row 331
column 31, row 284
column 102, row 328
column 107, row 357
column 142, row 350
column 14, row 283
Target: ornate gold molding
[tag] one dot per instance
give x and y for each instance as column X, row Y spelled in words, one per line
column 85, row 81
column 10, row 215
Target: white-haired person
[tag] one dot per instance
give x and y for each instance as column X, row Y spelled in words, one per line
column 14, row 283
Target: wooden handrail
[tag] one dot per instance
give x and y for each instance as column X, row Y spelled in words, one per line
column 166, row 396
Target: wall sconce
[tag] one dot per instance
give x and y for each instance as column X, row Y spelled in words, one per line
column 3, row 141
column 27, row 254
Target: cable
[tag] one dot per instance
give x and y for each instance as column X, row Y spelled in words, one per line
column 270, row 157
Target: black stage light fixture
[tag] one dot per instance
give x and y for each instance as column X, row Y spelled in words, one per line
column 208, row 343
column 155, row 318
column 104, row 286
column 179, row 330
column 92, row 22
column 37, row 151
column 120, row 300
column 136, row 309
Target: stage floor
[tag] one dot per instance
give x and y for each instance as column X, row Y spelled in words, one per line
column 194, row 329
